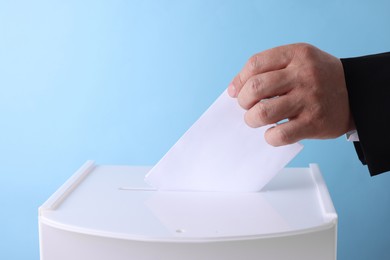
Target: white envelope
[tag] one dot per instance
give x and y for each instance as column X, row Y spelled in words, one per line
column 221, row 153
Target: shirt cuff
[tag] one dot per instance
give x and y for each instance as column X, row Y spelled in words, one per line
column 352, row 136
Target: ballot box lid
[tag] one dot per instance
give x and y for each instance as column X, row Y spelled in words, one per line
column 115, row 202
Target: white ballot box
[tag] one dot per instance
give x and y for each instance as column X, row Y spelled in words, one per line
column 109, row 212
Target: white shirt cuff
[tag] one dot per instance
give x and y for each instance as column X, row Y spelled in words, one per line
column 352, row 136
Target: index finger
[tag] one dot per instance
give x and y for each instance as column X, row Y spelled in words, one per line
column 273, row 59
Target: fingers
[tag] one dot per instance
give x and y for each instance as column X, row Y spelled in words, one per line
column 271, row 111
column 287, row 133
column 266, row 85
column 297, row 82
column 269, row 60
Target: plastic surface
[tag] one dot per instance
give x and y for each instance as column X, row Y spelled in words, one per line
column 113, row 204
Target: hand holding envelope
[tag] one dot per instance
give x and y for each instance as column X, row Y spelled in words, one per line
column 221, row 153
column 311, row 88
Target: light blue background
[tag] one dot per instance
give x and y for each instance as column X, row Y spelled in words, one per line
column 120, row 81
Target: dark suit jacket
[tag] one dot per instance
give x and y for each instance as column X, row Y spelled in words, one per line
column 368, row 84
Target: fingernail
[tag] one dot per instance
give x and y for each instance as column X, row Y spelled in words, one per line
column 232, row 90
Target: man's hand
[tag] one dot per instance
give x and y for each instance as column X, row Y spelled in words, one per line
column 297, row 82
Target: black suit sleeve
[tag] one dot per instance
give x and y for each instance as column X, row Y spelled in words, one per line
column 368, row 84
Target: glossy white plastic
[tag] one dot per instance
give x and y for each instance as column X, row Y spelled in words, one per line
column 109, row 212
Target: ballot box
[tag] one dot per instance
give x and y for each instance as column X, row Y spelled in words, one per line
column 109, row 212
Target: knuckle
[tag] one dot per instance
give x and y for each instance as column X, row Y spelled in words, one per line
column 307, row 50
column 255, row 86
column 262, row 112
column 253, row 63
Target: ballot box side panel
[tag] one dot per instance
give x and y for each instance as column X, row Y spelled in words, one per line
column 58, row 244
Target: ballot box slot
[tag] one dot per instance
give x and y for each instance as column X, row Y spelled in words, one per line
column 136, row 189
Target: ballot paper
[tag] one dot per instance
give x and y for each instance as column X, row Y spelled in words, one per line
column 219, row 152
